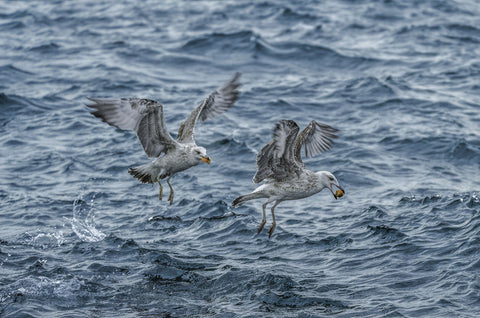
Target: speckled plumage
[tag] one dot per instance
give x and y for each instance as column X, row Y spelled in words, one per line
column 145, row 117
column 281, row 168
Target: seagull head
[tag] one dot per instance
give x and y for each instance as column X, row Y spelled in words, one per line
column 200, row 153
column 329, row 181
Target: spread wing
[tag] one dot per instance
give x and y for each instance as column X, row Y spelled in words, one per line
column 144, row 116
column 217, row 103
column 316, row 138
column 277, row 159
column 264, row 162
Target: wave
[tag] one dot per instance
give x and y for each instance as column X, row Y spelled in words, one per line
column 260, row 49
column 14, row 25
column 447, row 148
column 386, row 233
column 81, row 237
column 49, row 48
column 366, row 90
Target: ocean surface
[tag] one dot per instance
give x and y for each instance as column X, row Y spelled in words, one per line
column 400, row 79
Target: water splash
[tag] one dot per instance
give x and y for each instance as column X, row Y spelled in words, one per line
column 46, row 287
column 44, row 240
column 83, row 220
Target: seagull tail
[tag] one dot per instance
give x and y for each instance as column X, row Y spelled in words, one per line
column 143, row 173
column 247, row 197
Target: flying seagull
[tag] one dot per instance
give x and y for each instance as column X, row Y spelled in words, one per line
column 145, row 117
column 280, row 166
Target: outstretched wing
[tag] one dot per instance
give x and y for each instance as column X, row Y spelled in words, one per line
column 277, row 160
column 144, row 116
column 264, row 162
column 316, row 138
column 217, row 103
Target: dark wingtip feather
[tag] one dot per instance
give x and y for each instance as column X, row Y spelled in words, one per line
column 92, row 103
column 142, row 177
column 236, row 202
column 234, row 81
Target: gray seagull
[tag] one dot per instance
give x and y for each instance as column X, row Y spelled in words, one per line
column 145, row 117
column 280, row 166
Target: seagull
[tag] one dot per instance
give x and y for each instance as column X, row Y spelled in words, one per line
column 145, row 117
column 280, row 166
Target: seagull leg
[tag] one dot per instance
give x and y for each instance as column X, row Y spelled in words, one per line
column 274, row 224
column 260, row 228
column 170, row 197
column 161, row 191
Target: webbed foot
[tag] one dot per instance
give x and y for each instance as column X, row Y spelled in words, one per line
column 262, row 224
column 270, row 231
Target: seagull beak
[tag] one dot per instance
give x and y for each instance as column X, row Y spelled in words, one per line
column 206, row 159
column 339, row 193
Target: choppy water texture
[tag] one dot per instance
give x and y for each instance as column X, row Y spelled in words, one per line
column 81, row 238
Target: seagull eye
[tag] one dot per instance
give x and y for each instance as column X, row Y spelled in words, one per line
column 331, row 179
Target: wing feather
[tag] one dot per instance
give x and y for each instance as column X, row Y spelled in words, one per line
column 316, row 138
column 144, row 116
column 280, row 159
column 276, row 160
column 215, row 104
column 264, row 162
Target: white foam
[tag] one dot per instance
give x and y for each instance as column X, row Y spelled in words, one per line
column 83, row 221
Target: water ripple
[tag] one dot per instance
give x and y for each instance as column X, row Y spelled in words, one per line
column 81, row 237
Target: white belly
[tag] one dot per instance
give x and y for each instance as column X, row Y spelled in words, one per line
column 291, row 190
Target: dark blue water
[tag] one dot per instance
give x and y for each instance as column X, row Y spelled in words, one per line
column 81, row 238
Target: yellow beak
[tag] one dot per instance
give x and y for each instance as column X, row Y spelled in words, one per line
column 206, row 159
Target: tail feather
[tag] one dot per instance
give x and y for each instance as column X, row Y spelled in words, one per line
column 143, row 173
column 247, row 197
